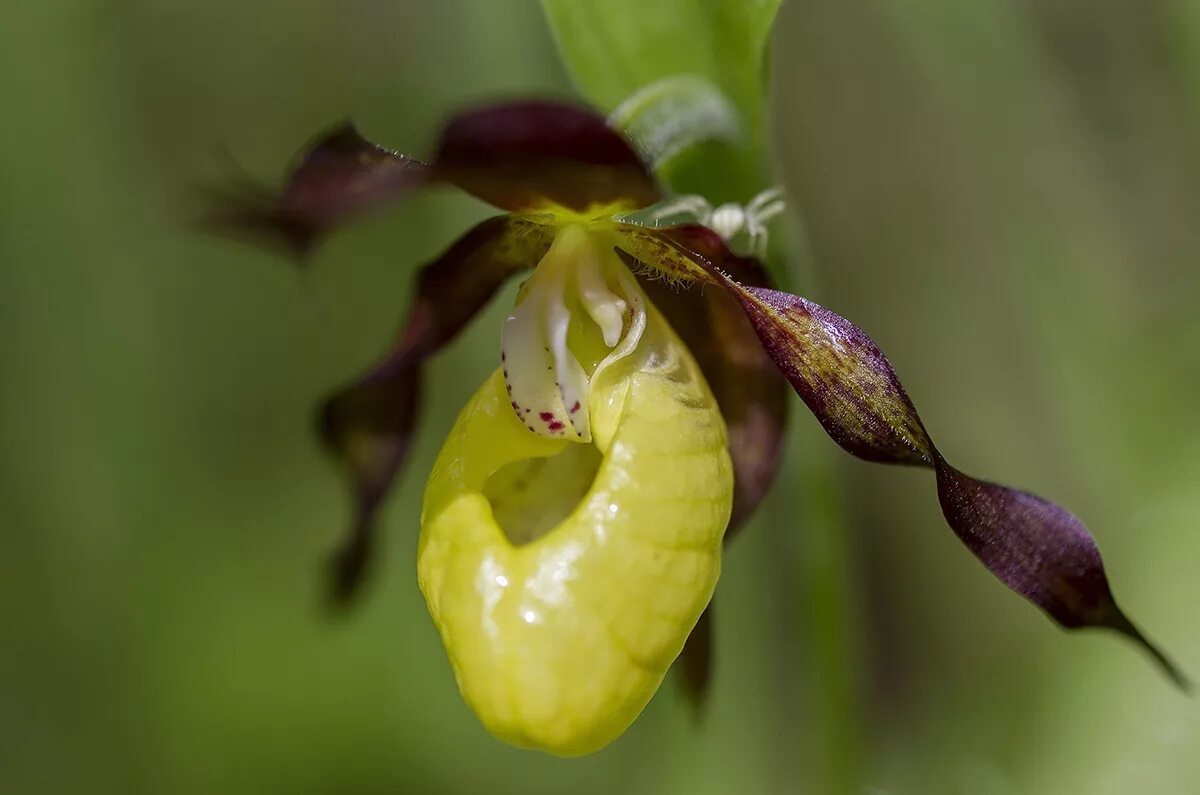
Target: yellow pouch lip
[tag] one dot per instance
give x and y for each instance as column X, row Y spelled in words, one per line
column 559, row 643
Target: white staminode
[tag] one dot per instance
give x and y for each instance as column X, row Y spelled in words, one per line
column 581, row 294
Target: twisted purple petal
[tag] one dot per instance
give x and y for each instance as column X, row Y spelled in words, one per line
column 1034, row 547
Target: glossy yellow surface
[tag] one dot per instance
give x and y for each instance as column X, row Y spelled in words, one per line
column 559, row 642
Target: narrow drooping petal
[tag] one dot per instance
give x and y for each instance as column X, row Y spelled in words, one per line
column 1033, row 546
column 340, row 175
column 695, row 663
column 525, row 157
column 368, row 425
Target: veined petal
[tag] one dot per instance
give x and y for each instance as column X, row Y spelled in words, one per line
column 1034, row 547
column 564, row 589
column 524, row 157
column 368, row 425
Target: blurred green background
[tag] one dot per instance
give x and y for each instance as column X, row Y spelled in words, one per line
column 1004, row 193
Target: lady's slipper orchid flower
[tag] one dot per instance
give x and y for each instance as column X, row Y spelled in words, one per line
column 572, row 525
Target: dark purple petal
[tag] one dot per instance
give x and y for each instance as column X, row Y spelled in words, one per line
column 340, row 175
column 368, row 425
column 522, row 156
column 748, row 387
column 1042, row 552
column 1033, row 546
column 695, row 662
column 843, row 377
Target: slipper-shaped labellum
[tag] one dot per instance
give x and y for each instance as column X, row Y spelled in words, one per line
column 564, row 567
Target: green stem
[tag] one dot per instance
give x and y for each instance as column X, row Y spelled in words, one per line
column 824, row 567
column 826, row 613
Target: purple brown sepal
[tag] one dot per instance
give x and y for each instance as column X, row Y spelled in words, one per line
column 522, row 156
column 340, row 175
column 369, row 424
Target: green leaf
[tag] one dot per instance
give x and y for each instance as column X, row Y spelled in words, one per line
column 666, row 50
column 614, row 48
column 670, row 115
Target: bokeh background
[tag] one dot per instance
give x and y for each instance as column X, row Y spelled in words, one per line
column 1004, row 193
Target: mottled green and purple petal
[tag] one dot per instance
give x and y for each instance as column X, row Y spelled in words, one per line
column 1034, row 547
column 368, row 425
column 524, row 157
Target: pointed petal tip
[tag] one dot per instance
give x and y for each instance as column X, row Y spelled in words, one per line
column 695, row 667
column 235, row 215
column 695, row 695
column 345, row 574
column 340, row 175
column 1118, row 622
column 237, row 205
column 697, row 708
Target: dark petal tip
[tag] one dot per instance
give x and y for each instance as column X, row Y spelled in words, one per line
column 235, row 213
column 340, row 175
column 348, row 567
column 1119, row 622
column 695, row 665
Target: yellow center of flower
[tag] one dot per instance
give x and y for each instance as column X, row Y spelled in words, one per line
column 565, row 567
